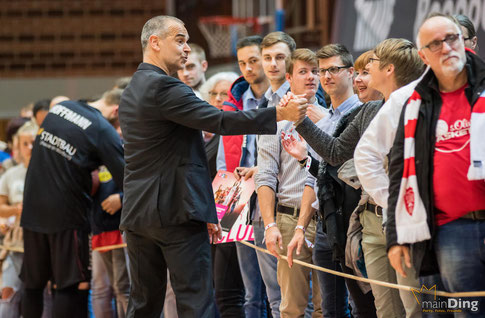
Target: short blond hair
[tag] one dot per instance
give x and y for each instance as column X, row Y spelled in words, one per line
column 403, row 54
column 305, row 55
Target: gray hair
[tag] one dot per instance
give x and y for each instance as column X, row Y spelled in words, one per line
column 156, row 26
column 435, row 15
column 214, row 80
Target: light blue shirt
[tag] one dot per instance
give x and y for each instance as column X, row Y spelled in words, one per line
column 328, row 123
column 249, row 102
column 275, row 97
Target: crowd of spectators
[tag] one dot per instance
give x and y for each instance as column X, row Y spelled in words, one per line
column 383, row 179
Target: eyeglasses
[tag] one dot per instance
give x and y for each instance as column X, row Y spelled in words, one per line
column 223, row 95
column 437, row 45
column 333, row 70
column 374, row 59
column 468, row 38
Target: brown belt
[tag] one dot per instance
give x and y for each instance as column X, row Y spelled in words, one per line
column 475, row 215
column 288, row 210
column 292, row 211
column 372, row 208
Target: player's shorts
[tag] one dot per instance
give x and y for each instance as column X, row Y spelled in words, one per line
column 62, row 257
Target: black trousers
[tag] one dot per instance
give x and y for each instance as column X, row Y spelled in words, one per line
column 363, row 302
column 228, row 282
column 186, row 252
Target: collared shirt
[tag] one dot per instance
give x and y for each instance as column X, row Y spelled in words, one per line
column 249, row 102
column 278, row 169
column 328, row 125
column 275, row 97
column 376, row 142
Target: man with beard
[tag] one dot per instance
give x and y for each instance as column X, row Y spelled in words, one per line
column 437, row 168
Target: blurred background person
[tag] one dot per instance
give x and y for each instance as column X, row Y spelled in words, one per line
column 215, row 91
column 228, row 284
column 56, row 100
column 193, row 71
column 468, row 30
column 40, row 110
column 110, row 279
column 12, row 149
column 11, row 196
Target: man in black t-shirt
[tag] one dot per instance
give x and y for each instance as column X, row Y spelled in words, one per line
column 74, row 139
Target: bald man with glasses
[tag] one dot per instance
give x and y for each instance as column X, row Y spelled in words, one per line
column 437, row 209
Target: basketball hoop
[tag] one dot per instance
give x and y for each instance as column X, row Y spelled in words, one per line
column 222, row 32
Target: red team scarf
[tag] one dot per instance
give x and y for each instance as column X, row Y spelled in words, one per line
column 411, row 224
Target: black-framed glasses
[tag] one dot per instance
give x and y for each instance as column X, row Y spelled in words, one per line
column 437, row 45
column 372, row 59
column 468, row 38
column 333, row 70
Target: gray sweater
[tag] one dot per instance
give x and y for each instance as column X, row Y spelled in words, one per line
column 337, row 150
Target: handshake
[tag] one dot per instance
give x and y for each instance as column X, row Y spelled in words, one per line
column 292, row 108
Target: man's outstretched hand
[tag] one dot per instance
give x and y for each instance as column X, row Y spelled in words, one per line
column 294, row 110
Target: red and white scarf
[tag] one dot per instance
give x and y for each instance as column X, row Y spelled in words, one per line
column 411, row 224
column 477, row 145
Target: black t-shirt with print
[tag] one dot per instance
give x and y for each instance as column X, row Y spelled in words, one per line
column 74, row 140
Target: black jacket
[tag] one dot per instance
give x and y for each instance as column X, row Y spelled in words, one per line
column 337, row 200
column 422, row 252
column 167, row 180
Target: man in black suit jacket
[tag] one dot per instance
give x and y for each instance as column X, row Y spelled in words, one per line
column 168, row 207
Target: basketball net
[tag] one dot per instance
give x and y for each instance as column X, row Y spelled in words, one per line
column 222, row 33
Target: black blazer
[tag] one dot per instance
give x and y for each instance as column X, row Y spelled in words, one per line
column 167, row 180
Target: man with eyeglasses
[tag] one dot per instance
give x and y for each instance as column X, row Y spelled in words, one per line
column 336, row 77
column 437, row 193
column 394, row 64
